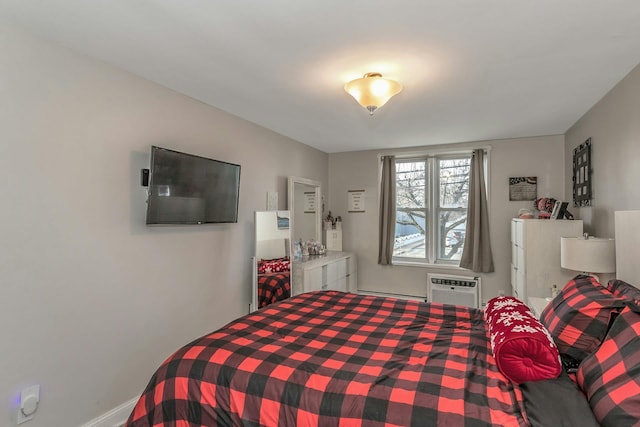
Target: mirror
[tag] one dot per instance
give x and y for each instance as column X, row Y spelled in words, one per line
column 305, row 205
column 271, row 266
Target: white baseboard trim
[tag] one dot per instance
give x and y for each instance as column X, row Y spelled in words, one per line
column 115, row 417
column 386, row 294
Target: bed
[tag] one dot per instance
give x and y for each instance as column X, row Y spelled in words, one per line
column 333, row 358
column 341, row 359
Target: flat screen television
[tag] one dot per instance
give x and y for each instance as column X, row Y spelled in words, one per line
column 189, row 189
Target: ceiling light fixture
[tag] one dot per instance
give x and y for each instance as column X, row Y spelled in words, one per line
column 372, row 91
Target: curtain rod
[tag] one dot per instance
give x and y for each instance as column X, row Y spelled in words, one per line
column 423, row 152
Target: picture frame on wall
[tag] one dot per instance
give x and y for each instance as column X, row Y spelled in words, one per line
column 582, row 174
column 523, row 188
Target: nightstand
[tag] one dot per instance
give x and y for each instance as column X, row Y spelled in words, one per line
column 537, row 304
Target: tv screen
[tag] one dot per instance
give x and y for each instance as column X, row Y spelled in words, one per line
column 188, row 189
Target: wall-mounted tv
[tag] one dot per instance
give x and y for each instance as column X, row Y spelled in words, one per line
column 189, row 189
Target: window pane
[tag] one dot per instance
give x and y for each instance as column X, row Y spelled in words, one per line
column 410, row 234
column 410, row 184
column 454, row 182
column 452, row 225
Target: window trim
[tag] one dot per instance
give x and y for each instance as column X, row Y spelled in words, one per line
column 419, row 155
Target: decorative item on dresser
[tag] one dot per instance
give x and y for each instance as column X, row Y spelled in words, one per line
column 333, row 232
column 535, row 255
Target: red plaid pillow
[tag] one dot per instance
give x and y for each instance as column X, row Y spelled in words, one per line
column 522, row 347
column 624, row 290
column 610, row 377
column 273, row 265
column 578, row 318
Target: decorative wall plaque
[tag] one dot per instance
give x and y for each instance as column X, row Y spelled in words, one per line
column 582, row 174
column 523, row 188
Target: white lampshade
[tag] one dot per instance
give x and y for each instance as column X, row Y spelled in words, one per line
column 591, row 255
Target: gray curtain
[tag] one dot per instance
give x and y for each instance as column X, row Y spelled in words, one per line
column 476, row 254
column 387, row 226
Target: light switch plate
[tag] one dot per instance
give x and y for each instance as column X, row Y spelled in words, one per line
column 272, row 201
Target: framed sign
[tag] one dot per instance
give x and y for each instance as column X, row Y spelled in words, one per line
column 523, row 188
column 356, row 201
column 582, row 174
column 309, row 202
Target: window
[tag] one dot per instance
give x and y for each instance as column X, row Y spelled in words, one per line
column 431, row 208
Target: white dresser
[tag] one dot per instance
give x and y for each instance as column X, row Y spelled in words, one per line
column 535, row 255
column 333, row 271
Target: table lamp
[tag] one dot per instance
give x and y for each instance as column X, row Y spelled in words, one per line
column 588, row 254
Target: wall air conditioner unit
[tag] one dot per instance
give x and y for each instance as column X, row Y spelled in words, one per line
column 457, row 290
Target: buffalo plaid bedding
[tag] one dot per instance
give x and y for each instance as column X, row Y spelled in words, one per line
column 272, row 288
column 610, row 377
column 578, row 317
column 336, row 359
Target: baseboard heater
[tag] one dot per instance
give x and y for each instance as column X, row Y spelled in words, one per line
column 457, row 290
column 398, row 296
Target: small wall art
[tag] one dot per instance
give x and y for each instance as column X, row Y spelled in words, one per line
column 309, row 202
column 355, row 202
column 582, row 174
column 523, row 188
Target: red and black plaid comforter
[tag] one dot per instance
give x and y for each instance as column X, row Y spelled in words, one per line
column 273, row 287
column 336, row 359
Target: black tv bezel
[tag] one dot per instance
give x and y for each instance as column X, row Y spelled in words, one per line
column 154, row 149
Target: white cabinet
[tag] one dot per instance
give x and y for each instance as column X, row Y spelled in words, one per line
column 333, row 271
column 535, row 255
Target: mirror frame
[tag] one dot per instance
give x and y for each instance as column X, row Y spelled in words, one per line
column 280, row 233
column 293, row 180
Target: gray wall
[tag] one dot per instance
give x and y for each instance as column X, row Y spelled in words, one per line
column 92, row 300
column 613, row 125
column 542, row 157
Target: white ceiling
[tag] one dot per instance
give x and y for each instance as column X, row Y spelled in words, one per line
column 472, row 70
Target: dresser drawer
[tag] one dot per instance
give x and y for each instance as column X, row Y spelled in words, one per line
column 517, row 233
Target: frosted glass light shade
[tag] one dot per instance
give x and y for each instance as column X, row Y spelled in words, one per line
column 591, row 255
column 372, row 91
